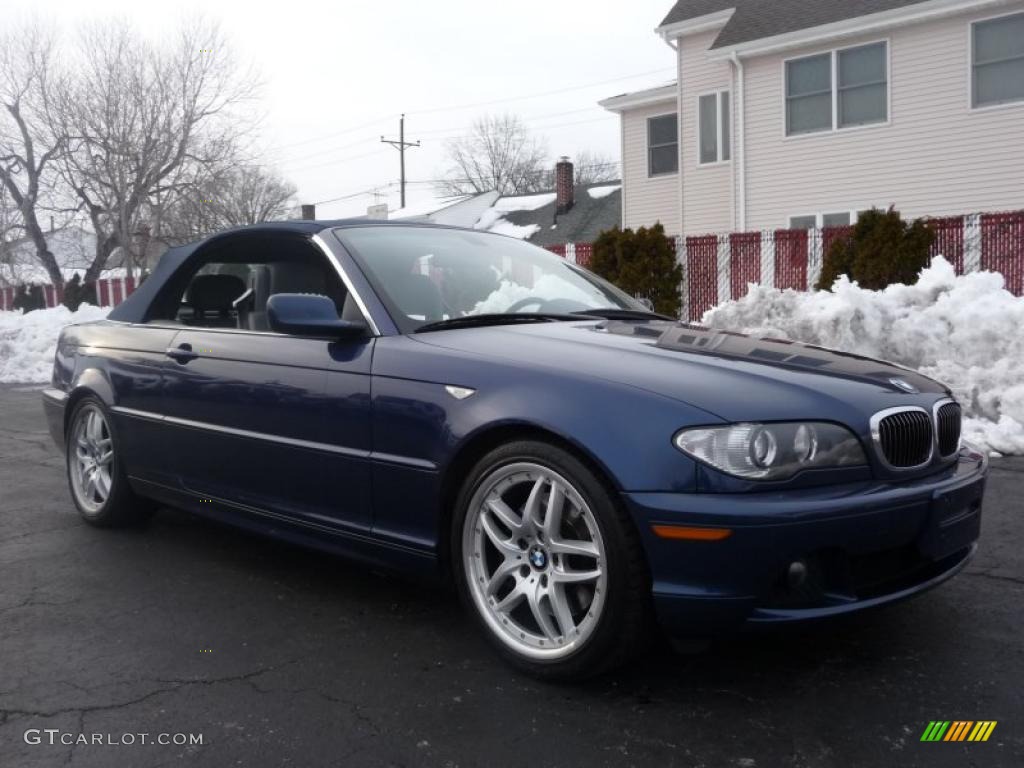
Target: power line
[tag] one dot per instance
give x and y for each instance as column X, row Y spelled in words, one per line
column 340, row 160
column 525, row 119
column 433, row 110
column 538, row 95
column 369, row 191
column 335, row 134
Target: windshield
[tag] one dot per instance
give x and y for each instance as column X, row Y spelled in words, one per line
column 426, row 275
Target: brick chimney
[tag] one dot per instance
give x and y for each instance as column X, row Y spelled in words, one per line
column 563, row 185
column 308, row 212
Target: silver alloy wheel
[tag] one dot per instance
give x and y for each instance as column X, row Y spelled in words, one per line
column 535, row 560
column 92, row 459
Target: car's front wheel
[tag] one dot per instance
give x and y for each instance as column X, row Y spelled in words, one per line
column 549, row 563
column 99, row 486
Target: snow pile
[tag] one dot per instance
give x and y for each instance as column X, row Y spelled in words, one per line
column 28, row 341
column 967, row 332
column 546, row 287
column 601, row 192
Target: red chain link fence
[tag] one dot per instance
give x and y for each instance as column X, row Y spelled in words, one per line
column 721, row 267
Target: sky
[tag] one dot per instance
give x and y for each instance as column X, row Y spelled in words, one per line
column 337, row 75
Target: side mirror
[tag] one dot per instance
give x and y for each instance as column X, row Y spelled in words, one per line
column 303, row 314
column 646, row 302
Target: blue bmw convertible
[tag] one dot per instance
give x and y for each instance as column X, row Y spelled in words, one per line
column 466, row 406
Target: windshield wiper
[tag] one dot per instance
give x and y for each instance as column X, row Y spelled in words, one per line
column 476, row 321
column 612, row 313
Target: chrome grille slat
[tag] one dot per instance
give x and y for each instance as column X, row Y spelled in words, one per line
column 948, row 418
column 905, row 437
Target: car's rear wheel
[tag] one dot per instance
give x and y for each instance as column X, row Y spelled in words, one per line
column 99, row 486
column 549, row 563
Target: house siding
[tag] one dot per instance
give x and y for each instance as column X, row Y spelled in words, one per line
column 646, row 200
column 707, row 189
column 935, row 157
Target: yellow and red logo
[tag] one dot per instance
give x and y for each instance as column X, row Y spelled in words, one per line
column 958, row 730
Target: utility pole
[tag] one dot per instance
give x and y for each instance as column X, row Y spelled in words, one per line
column 400, row 145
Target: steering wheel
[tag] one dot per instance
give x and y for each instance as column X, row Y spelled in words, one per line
column 552, row 306
column 541, row 303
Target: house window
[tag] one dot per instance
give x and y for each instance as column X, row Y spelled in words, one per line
column 803, row 222
column 819, row 220
column 809, row 94
column 862, row 86
column 662, row 145
column 997, row 61
column 713, row 121
column 836, row 219
column 839, row 89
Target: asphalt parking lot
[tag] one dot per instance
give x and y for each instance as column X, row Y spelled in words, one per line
column 281, row 657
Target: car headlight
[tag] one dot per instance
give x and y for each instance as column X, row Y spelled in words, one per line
column 772, row 451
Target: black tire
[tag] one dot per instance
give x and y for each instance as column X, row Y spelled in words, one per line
column 121, row 507
column 625, row 625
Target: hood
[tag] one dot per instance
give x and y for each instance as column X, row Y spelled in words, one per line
column 734, row 376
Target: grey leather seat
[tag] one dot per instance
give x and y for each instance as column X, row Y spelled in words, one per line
column 211, row 298
column 294, row 277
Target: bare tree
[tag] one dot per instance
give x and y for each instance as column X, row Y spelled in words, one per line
column 28, row 146
column 244, row 195
column 594, row 168
column 499, row 155
column 144, row 123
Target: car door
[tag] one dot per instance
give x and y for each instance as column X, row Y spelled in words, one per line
column 134, row 361
column 254, row 424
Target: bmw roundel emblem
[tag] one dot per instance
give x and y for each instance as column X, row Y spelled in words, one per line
column 538, row 559
column 903, row 384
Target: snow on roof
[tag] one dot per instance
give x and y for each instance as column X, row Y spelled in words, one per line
column 524, row 202
column 426, row 207
column 601, row 192
column 493, row 221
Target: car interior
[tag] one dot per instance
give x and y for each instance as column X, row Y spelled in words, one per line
column 230, row 285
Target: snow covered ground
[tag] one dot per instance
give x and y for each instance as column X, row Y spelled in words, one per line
column 966, row 331
column 28, row 342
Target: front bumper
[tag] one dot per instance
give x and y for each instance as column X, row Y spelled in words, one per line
column 860, row 546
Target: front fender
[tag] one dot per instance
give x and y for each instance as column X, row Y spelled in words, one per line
column 626, row 430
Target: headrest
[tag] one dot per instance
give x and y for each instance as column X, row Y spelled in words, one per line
column 297, row 277
column 215, row 292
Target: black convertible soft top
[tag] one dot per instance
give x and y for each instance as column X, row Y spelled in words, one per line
column 133, row 309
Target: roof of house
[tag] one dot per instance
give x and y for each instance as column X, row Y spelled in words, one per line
column 596, row 207
column 756, row 19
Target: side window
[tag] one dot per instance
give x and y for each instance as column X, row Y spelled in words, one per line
column 231, row 290
column 212, row 296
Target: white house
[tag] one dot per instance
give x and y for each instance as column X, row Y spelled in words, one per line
column 800, row 113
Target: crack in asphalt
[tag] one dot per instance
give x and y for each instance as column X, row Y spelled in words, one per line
column 996, row 576
column 353, row 707
column 40, row 533
column 31, row 601
column 177, row 684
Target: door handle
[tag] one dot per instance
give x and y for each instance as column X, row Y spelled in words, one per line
column 181, row 353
